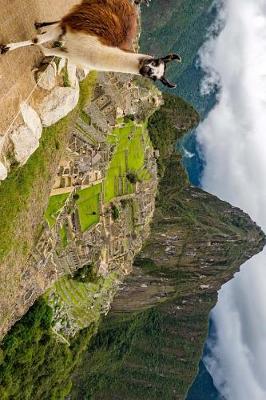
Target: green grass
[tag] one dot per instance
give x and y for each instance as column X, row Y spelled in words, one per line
column 79, row 297
column 85, row 117
column 55, row 205
column 129, row 156
column 88, row 204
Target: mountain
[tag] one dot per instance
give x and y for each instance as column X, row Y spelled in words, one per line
column 180, row 26
column 149, row 345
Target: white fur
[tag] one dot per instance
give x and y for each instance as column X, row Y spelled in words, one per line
column 158, row 71
column 52, row 34
column 87, row 51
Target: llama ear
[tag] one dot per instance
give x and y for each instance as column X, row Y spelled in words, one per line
column 172, row 57
column 167, row 83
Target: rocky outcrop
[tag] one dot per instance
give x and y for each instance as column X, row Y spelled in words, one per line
column 47, row 79
column 25, row 137
column 58, row 103
column 60, row 95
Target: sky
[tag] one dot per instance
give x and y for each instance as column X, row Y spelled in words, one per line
column 233, row 139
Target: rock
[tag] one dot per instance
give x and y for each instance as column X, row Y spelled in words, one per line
column 3, row 172
column 26, row 137
column 57, row 104
column 25, row 143
column 72, row 74
column 47, row 79
column 31, row 119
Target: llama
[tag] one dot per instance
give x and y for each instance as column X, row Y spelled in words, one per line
column 99, row 35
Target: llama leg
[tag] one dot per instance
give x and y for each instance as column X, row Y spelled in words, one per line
column 57, row 52
column 39, row 25
column 52, row 34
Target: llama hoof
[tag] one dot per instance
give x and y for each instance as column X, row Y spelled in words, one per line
column 3, row 48
column 37, row 25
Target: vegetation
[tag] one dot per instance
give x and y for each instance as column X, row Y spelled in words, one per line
column 34, row 365
column 115, row 212
column 86, row 274
column 88, row 205
column 130, row 142
column 55, row 205
column 24, row 194
column 183, row 28
column 84, row 298
column 174, row 118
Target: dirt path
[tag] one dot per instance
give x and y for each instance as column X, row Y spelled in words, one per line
column 17, row 19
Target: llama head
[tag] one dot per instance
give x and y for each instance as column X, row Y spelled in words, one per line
column 154, row 68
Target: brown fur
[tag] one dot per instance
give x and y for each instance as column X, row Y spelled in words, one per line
column 114, row 22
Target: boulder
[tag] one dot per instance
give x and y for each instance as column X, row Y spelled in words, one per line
column 31, row 119
column 3, row 171
column 25, row 143
column 47, row 79
column 25, row 137
column 57, row 104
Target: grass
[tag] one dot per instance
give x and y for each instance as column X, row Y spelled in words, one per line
column 89, row 206
column 56, row 203
column 85, row 300
column 130, row 143
column 129, row 156
column 24, row 194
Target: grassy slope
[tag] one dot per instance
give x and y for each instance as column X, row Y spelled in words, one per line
column 33, row 363
column 24, row 194
column 89, row 206
column 182, row 27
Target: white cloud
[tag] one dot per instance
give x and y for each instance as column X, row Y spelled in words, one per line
column 233, row 138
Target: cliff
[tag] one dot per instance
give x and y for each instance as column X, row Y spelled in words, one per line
column 150, row 344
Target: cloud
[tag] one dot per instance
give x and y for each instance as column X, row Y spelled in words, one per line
column 233, row 139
